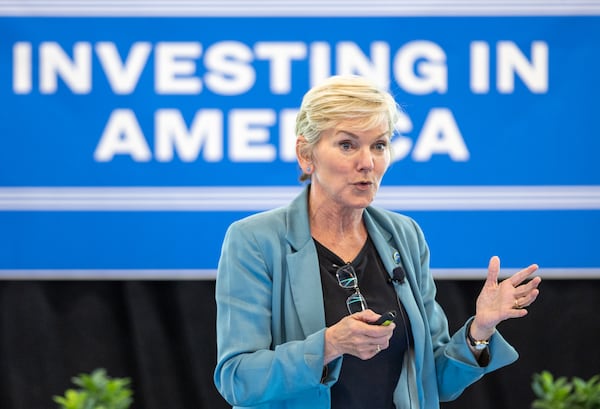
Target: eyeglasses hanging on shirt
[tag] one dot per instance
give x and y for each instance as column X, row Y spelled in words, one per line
column 347, row 279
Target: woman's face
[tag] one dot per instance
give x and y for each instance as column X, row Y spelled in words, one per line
column 348, row 164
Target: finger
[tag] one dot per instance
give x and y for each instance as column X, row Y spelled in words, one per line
column 493, row 269
column 378, row 334
column 527, row 299
column 367, row 316
column 522, row 275
column 524, row 289
column 518, row 313
column 383, row 345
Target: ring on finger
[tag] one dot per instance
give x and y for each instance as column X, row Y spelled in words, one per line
column 517, row 305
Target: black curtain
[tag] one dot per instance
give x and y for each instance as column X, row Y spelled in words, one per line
column 161, row 334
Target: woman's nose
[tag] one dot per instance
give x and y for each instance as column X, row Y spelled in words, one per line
column 366, row 161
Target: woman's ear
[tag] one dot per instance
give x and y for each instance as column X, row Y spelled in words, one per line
column 302, row 153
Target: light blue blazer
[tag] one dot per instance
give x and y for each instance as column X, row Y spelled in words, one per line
column 271, row 319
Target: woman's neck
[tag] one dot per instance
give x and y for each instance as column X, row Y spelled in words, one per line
column 340, row 230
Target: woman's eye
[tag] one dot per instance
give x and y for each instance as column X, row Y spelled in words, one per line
column 345, row 146
column 380, row 146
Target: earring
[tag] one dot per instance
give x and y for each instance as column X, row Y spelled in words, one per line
column 308, row 169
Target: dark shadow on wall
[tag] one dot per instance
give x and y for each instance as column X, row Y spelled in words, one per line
column 559, row 334
column 161, row 334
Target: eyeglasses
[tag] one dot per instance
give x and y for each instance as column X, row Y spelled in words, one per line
column 347, row 279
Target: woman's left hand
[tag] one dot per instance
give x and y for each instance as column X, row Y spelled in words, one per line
column 500, row 301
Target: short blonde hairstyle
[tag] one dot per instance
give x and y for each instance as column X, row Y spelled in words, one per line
column 343, row 98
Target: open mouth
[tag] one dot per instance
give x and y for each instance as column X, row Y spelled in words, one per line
column 363, row 184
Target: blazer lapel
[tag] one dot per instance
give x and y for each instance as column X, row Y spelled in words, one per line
column 305, row 281
column 394, row 255
column 303, row 268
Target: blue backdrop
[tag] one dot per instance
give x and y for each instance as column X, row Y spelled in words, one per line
column 129, row 144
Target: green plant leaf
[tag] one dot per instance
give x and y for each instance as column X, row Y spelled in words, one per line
column 97, row 391
column 562, row 393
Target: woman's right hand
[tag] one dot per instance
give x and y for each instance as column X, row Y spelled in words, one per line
column 355, row 336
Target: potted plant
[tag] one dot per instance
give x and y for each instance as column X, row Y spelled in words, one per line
column 97, row 391
column 564, row 393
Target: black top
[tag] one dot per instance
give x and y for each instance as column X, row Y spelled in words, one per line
column 370, row 383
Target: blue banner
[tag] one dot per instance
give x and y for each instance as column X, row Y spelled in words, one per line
column 130, row 143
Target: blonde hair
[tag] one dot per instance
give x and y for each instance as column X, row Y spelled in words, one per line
column 342, row 98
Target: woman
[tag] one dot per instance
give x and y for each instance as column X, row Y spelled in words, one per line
column 299, row 287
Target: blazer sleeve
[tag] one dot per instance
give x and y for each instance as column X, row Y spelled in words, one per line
column 251, row 370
